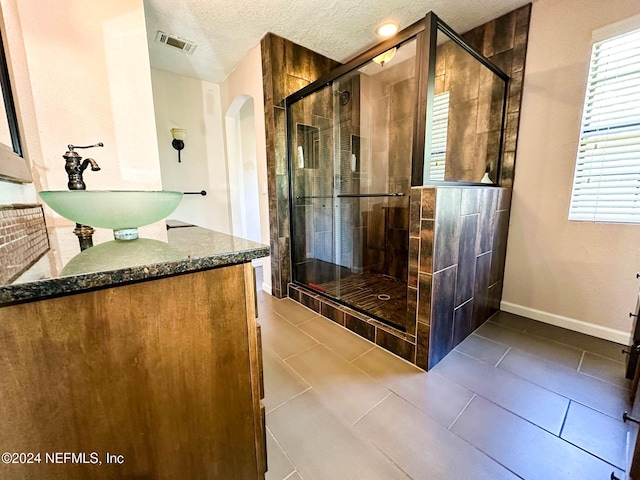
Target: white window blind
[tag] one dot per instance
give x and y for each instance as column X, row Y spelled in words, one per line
column 439, row 136
column 606, row 185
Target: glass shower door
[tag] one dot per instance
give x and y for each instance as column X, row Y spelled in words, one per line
column 351, row 168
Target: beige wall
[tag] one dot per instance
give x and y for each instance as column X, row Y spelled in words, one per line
column 86, row 65
column 184, row 102
column 577, row 275
column 246, row 80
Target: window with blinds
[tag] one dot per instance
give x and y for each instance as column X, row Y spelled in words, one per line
column 606, row 185
column 439, row 136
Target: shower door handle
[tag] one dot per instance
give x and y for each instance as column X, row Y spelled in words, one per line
column 354, row 195
column 363, row 195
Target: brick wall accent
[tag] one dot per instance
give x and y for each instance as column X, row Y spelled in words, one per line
column 23, row 239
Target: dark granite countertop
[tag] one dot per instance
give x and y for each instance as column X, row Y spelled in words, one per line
column 115, row 263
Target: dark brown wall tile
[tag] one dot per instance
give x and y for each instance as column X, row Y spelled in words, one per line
column 414, row 251
column 475, row 37
column 522, row 15
column 470, row 201
column 428, row 203
column 426, row 246
column 414, row 215
column 504, row 199
column 494, row 296
column 515, row 92
column 443, row 297
column 332, row 312
column 275, row 274
column 462, row 322
column 501, row 228
column 280, row 140
column 294, row 293
column 504, row 33
column 282, row 185
column 422, row 346
column 489, row 29
column 511, row 132
column 285, row 263
column 360, row 327
column 412, row 310
column 310, row 301
column 396, row 345
column 466, row 259
column 503, row 60
column 424, row 298
column 481, row 290
column 447, row 228
column 508, row 165
column 488, row 204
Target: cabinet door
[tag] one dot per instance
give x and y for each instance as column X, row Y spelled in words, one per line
column 162, row 372
column 634, row 356
column 633, row 446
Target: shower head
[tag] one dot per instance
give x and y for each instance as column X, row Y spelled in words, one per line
column 344, row 96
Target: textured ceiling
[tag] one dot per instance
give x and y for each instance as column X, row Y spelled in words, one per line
column 226, row 30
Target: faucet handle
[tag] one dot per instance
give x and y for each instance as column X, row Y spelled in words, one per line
column 71, row 147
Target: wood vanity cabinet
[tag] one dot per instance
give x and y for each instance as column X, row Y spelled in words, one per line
column 163, row 374
column 633, row 373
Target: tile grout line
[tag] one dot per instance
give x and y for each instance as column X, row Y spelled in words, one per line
column 289, row 321
column 564, row 395
column 593, row 377
column 581, row 359
column 592, row 454
column 284, row 403
column 301, row 351
column 533, row 335
column 306, row 321
column 295, row 469
column 462, row 411
column 507, row 408
column 292, row 370
column 385, row 455
column 502, row 357
column 564, row 420
column 362, row 354
column 372, row 408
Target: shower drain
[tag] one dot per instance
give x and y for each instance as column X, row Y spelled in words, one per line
column 384, row 296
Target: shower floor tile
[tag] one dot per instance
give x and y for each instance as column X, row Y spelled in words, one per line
column 380, row 295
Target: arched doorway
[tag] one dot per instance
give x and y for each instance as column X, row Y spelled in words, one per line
column 242, row 168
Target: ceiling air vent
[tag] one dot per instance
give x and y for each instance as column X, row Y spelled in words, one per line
column 184, row 45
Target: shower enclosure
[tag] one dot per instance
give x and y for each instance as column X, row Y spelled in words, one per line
column 350, row 181
column 420, row 109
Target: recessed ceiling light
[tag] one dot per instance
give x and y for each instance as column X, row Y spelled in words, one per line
column 387, row 29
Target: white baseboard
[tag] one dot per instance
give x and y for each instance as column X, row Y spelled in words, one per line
column 266, row 287
column 568, row 323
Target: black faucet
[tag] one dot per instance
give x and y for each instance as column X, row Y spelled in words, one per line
column 74, row 168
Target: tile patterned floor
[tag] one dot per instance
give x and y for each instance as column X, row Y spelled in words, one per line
column 517, row 399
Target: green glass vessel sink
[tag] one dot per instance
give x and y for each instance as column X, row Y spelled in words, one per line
column 121, row 210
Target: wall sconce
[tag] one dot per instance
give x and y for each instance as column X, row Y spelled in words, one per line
column 179, row 135
column 385, row 57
